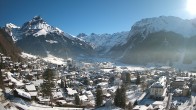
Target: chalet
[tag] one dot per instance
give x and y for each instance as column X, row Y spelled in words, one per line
column 21, row 93
column 31, row 90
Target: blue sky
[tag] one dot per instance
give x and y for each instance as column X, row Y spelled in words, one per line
column 90, row 16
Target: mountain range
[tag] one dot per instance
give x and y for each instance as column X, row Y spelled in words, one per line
column 39, row 38
column 160, row 39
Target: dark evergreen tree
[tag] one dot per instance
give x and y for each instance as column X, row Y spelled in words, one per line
column 77, row 99
column 1, row 81
column 138, row 80
column 128, row 78
column 62, row 84
column 66, row 84
column 99, row 97
column 117, row 97
column 123, row 96
column 1, row 75
column 48, row 84
column 187, row 74
column 120, row 97
column 130, row 106
column 86, row 81
column 111, row 79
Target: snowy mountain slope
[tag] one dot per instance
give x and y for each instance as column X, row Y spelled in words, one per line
column 12, row 30
column 157, row 39
column 187, row 28
column 36, row 27
column 104, row 42
column 109, row 42
column 38, row 37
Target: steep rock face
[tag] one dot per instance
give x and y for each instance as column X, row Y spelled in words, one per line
column 39, row 38
column 8, row 47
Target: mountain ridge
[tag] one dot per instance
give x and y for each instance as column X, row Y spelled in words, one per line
column 39, row 38
column 148, row 35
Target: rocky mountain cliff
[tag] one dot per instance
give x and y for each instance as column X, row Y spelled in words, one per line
column 7, row 46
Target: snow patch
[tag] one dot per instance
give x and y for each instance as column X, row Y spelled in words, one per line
column 55, row 60
column 40, row 32
column 10, row 25
column 52, row 41
column 27, row 55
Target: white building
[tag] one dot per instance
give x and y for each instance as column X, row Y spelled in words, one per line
column 158, row 89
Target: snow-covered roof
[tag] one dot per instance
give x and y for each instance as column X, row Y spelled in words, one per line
column 157, row 85
column 70, row 91
column 160, row 83
column 83, row 97
column 140, row 107
column 57, row 94
column 38, row 82
column 103, row 84
column 33, row 93
column 30, row 87
column 186, row 87
column 41, row 99
column 23, row 93
column 177, row 90
column 157, row 103
column 62, row 101
column 18, row 83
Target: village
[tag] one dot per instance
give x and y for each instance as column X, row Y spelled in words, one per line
column 76, row 84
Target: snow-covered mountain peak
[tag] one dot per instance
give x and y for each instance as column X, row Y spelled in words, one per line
column 10, row 25
column 104, row 42
column 36, row 23
column 37, row 18
column 35, row 27
column 164, row 23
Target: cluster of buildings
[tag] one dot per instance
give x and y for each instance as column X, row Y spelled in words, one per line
column 159, row 88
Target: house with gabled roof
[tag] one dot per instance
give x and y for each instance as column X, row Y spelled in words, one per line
column 31, row 90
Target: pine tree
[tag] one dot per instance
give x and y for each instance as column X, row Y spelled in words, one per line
column 138, row 79
column 130, row 106
column 1, row 75
column 99, row 97
column 120, row 97
column 117, row 97
column 77, row 99
column 62, row 84
column 123, row 96
column 128, row 79
column 48, row 84
column 1, row 81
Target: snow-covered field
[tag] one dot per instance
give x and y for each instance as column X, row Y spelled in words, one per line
column 55, row 60
column 50, row 58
